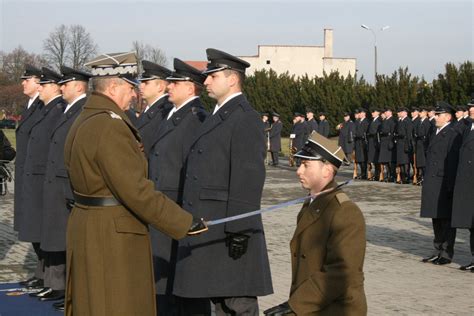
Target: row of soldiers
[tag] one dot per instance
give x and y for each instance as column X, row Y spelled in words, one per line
column 81, row 171
column 389, row 149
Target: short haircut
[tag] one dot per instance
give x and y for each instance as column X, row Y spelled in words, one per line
column 240, row 76
column 100, row 84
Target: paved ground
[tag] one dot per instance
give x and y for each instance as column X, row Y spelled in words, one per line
column 397, row 283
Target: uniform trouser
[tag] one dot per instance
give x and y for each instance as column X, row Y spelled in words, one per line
column 275, row 158
column 39, row 270
column 55, row 270
column 471, row 243
column 224, row 306
column 405, row 172
column 444, row 237
column 363, row 169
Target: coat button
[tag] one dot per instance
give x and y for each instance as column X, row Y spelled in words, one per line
column 200, row 151
column 190, row 203
column 303, row 256
column 186, row 176
column 192, row 150
column 294, row 254
column 195, row 178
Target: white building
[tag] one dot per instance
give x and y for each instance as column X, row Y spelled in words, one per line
column 301, row 60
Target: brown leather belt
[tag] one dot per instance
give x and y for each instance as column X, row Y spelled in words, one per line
column 96, row 200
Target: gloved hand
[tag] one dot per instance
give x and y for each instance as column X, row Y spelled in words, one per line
column 198, row 226
column 70, row 204
column 237, row 244
column 279, row 310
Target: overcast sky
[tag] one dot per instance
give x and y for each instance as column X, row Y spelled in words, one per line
column 423, row 35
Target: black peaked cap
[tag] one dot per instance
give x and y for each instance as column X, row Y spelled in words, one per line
column 70, row 74
column 219, row 60
column 185, row 72
column 154, row 71
column 49, row 76
column 31, row 71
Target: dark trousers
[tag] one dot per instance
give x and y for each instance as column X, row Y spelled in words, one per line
column 55, row 269
column 363, row 170
column 224, row 306
column 471, row 243
column 444, row 237
column 39, row 270
column 275, row 158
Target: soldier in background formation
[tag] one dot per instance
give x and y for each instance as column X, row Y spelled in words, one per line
column 346, row 136
column 275, row 138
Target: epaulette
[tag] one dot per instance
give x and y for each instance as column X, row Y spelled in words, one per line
column 114, row 115
column 342, row 197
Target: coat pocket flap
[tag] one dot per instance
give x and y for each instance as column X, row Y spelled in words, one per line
column 62, row 173
column 214, row 194
column 128, row 224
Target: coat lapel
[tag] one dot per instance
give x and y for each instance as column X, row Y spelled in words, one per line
column 70, row 113
column 154, row 110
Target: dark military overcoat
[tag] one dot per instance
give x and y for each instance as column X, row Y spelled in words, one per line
column 440, row 173
column 225, row 173
column 323, row 128
column 346, row 137
column 148, row 122
column 404, row 138
column 312, row 125
column 109, row 261
column 387, row 152
column 29, row 225
column 463, row 200
column 58, row 188
column 22, row 132
column 166, row 164
column 422, row 138
column 360, row 139
column 327, row 257
column 299, row 129
column 373, row 140
column 275, row 137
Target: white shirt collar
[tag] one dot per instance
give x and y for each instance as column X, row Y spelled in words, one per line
column 31, row 100
column 82, row 96
column 441, row 128
column 149, row 105
column 176, row 109
column 225, row 101
column 59, row 95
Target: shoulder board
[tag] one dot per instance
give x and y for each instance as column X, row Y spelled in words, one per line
column 342, row 197
column 114, row 115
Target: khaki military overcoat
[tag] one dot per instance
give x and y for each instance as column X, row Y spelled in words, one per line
column 109, row 265
column 328, row 249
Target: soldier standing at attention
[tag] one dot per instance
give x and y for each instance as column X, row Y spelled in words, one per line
column 463, row 198
column 361, row 126
column 109, row 261
column 421, row 144
column 404, row 134
column 437, row 191
column 387, row 153
column 166, row 164
column 225, row 173
column 153, row 87
column 346, row 136
column 373, row 141
column 312, row 123
column 323, row 126
column 328, row 245
column 275, row 138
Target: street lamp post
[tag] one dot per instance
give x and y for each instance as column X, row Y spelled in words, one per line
column 375, row 47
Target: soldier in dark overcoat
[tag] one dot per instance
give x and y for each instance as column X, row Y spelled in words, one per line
column 404, row 137
column 153, row 87
column 346, row 136
column 360, row 146
column 328, row 245
column 438, row 186
column 387, row 154
column 323, row 125
column 373, row 144
column 463, row 198
column 167, row 171
column 311, row 121
column 225, row 173
column 275, row 138
column 31, row 214
column 58, row 187
column 30, row 114
column 460, row 123
column 421, row 140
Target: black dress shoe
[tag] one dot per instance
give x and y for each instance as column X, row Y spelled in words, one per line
column 59, row 307
column 41, row 293
column 467, row 267
column 33, row 283
column 59, row 304
column 54, row 295
column 430, row 258
column 441, row 261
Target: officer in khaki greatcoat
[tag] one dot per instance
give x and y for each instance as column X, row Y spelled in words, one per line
column 328, row 246
column 109, row 261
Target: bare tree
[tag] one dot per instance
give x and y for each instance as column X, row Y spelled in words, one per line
column 81, row 46
column 56, row 46
column 12, row 64
column 148, row 52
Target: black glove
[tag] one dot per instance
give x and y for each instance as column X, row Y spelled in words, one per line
column 282, row 309
column 237, row 244
column 69, row 204
column 198, row 226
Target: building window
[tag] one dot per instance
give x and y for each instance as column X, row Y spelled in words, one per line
column 268, row 62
